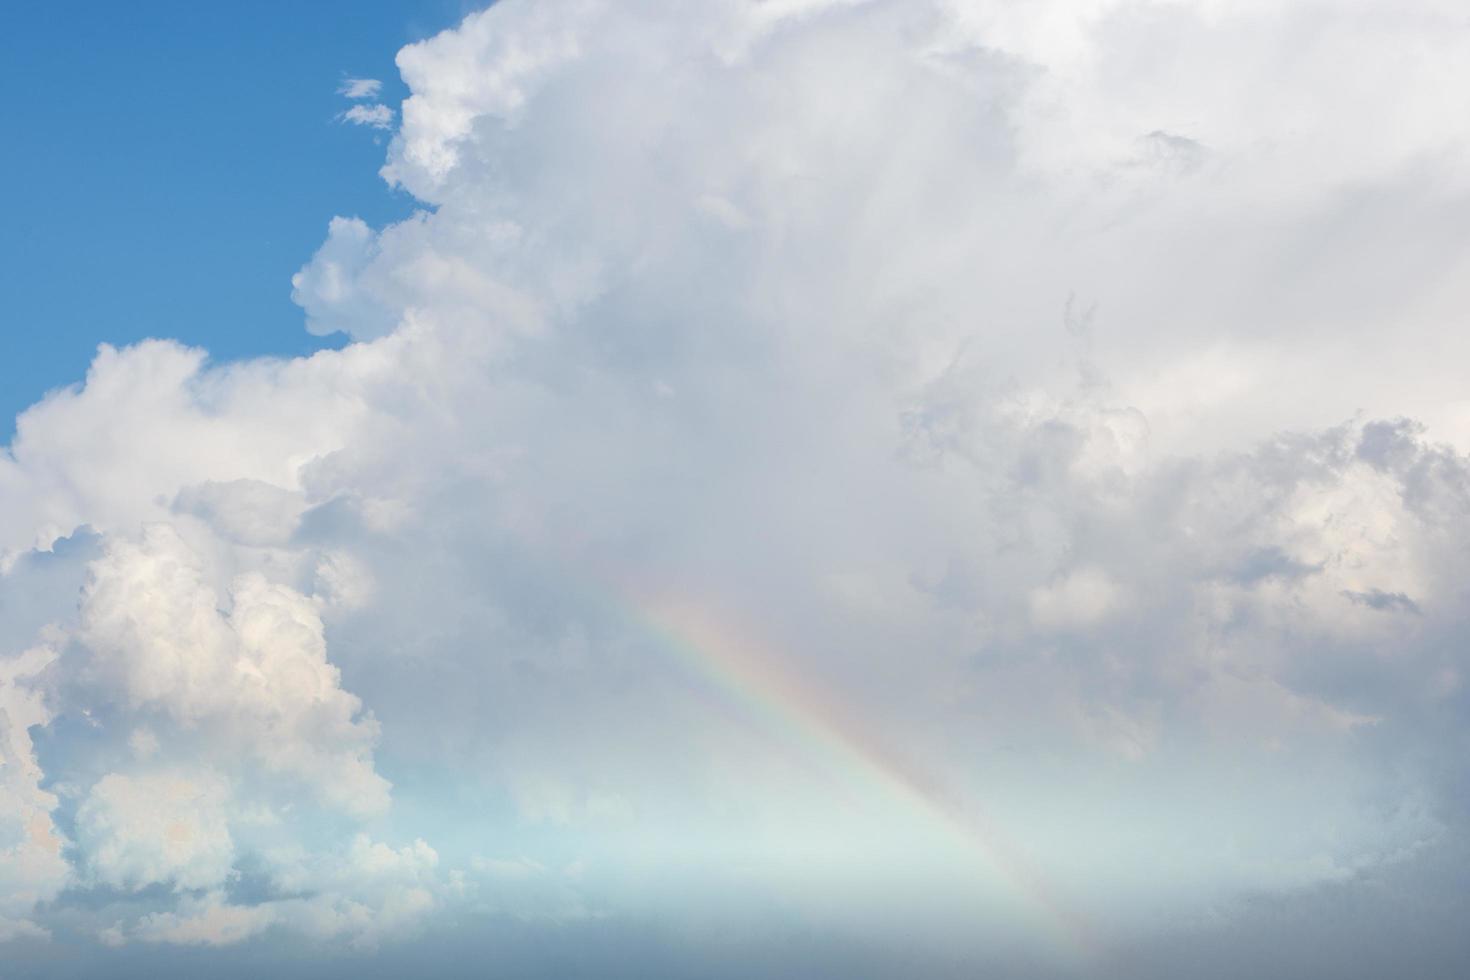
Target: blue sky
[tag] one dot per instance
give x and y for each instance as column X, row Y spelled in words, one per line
column 173, row 163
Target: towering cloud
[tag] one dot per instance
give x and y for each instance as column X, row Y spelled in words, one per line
column 974, row 476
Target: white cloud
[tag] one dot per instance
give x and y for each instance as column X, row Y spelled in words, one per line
column 256, row 679
column 1080, row 600
column 360, row 88
column 376, row 115
column 485, row 69
column 32, row 868
column 206, row 921
column 161, row 828
column 992, row 374
column 370, row 893
column 329, row 288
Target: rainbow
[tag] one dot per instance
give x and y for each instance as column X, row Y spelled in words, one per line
column 761, row 684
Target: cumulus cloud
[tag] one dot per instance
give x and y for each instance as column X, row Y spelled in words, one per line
column 256, row 679
column 206, row 921
column 165, row 828
column 32, row 868
column 328, row 288
column 845, row 455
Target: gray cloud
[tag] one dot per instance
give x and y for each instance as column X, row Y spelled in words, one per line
column 1385, row 601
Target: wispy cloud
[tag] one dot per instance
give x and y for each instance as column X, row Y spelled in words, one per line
column 360, row 88
column 376, row 115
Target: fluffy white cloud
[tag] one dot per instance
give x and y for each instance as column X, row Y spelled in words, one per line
column 161, row 828
column 32, row 869
column 328, row 289
column 206, row 921
column 152, row 420
column 778, row 397
column 256, row 679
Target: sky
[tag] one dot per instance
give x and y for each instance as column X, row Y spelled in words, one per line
column 856, row 488
column 150, row 129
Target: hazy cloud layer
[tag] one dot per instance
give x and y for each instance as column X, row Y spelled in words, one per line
column 818, row 479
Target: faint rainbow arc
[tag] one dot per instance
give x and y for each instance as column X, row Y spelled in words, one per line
column 761, row 683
